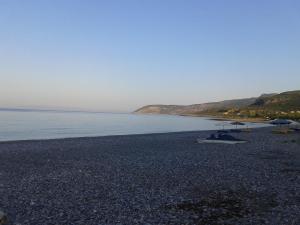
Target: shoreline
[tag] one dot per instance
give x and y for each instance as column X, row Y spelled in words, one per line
column 165, row 178
column 219, row 118
column 249, row 120
column 106, row 136
column 12, row 132
column 212, row 117
column 121, row 135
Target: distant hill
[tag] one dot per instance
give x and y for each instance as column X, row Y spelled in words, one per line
column 194, row 109
column 284, row 101
column 286, row 105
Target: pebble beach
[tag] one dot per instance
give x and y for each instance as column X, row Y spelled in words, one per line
column 163, row 178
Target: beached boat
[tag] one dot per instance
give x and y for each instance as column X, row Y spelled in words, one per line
column 221, row 139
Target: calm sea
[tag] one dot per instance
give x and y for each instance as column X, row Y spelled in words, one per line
column 24, row 125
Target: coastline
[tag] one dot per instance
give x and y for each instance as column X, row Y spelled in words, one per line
column 213, row 117
column 250, row 120
column 220, row 118
column 164, row 178
column 85, row 125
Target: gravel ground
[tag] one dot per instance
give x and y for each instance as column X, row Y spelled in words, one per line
column 152, row 179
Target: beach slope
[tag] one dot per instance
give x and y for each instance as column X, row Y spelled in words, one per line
column 152, row 179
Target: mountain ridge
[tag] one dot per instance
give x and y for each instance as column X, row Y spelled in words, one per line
column 265, row 106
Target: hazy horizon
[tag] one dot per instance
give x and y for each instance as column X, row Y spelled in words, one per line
column 117, row 56
column 70, row 109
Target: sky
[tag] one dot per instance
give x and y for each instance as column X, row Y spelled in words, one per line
column 119, row 55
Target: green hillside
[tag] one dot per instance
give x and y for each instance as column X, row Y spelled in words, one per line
column 284, row 105
column 267, row 106
column 285, row 101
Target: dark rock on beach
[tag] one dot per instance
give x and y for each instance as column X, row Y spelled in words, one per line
column 3, row 218
column 152, row 179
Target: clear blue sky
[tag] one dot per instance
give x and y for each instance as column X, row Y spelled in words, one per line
column 117, row 55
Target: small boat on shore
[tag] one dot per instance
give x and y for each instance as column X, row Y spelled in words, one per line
column 221, row 138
